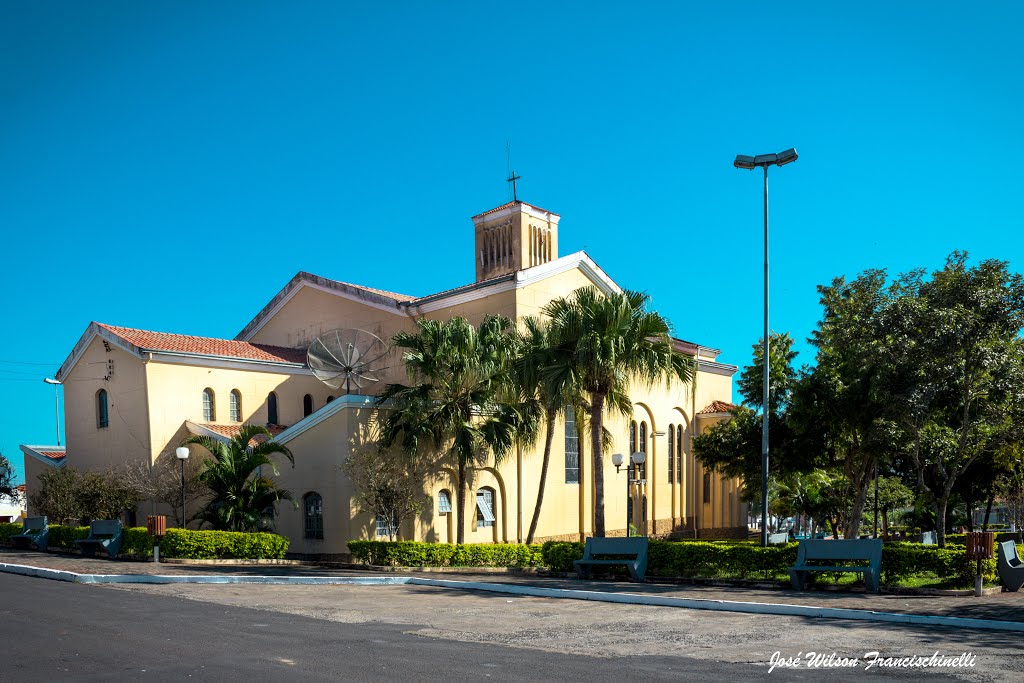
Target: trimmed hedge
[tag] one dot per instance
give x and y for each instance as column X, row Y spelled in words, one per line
column 217, row 545
column 416, row 554
column 900, row 561
column 178, row 543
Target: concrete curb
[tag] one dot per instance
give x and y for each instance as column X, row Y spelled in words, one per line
column 533, row 591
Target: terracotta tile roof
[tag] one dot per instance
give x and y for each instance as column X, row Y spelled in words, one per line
column 231, row 431
column 206, row 346
column 20, row 488
column 52, row 455
column 717, row 407
column 510, row 204
column 460, row 288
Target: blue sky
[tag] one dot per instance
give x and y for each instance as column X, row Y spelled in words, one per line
column 170, row 166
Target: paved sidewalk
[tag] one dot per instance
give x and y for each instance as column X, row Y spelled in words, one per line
column 999, row 606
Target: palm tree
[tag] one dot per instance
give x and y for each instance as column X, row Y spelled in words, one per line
column 241, row 499
column 600, row 344
column 545, row 393
column 461, row 405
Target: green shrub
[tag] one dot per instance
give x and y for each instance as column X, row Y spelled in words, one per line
column 416, row 554
column 137, row 542
column 559, row 555
column 215, row 545
column 8, row 529
column 65, row 536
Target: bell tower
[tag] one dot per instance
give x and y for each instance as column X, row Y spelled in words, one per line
column 513, row 237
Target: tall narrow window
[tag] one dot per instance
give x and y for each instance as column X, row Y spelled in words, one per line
column 209, row 407
column 307, row 405
column 272, row 408
column 632, row 439
column 235, row 405
column 444, row 502
column 484, row 508
column 679, row 453
column 707, row 488
column 671, row 453
column 643, row 449
column 572, row 448
column 314, row 523
column 102, row 414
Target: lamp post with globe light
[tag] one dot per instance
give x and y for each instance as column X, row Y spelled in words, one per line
column 636, row 460
column 182, row 453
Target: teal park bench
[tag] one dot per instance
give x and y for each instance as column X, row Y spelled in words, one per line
column 1011, row 569
column 633, row 550
column 33, row 530
column 104, row 534
column 828, row 556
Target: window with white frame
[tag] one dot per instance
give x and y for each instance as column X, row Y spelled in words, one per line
column 235, row 405
column 484, row 508
column 444, row 502
column 209, row 407
column 384, row 528
column 102, row 412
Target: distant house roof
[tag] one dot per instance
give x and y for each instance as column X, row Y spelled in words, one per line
column 717, row 407
column 227, row 432
column 54, row 456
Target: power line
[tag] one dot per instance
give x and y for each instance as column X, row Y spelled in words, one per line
column 25, row 362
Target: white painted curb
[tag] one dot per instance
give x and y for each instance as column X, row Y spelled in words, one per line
column 533, row 591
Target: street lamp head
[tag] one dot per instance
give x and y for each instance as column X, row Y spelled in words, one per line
column 638, row 458
column 743, row 161
column 181, row 452
column 787, row 157
column 51, row 381
column 617, row 460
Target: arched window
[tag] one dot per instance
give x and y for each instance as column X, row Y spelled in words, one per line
column 209, row 407
column 572, row 448
column 307, row 405
column 330, row 398
column 632, row 439
column 444, row 502
column 272, row 408
column 643, row 449
column 235, row 405
column 313, row 504
column 707, row 488
column 679, row 453
column 484, row 508
column 102, row 414
column 671, row 453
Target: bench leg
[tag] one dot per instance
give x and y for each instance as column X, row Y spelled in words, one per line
column 797, row 579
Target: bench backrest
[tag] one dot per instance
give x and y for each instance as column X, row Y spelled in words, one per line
column 869, row 549
column 929, row 538
column 779, row 538
column 105, row 527
column 1009, row 553
column 33, row 524
column 635, row 545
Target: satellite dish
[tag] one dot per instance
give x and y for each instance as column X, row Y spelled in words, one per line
column 348, row 358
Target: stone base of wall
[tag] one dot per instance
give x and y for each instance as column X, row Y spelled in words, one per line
column 345, row 558
column 562, row 537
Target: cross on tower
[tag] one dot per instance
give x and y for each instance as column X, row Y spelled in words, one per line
column 512, row 179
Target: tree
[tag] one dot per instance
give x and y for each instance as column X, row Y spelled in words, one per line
column 461, row 405
column 550, row 395
column 56, row 497
column 161, row 481
column 957, row 369
column 387, row 485
column 893, row 494
column 781, row 375
column 7, row 486
column 241, row 496
column 602, row 343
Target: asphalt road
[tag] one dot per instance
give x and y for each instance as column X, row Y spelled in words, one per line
column 55, row 631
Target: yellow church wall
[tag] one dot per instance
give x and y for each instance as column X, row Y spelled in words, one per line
column 33, row 468
column 126, row 437
column 176, row 395
column 532, row 299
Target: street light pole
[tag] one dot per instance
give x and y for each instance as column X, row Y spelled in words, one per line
column 56, row 404
column 635, row 461
column 749, row 163
column 182, row 453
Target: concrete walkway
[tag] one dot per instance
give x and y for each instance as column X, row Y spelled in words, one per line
column 1004, row 611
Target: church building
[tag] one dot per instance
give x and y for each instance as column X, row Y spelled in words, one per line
column 132, row 394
